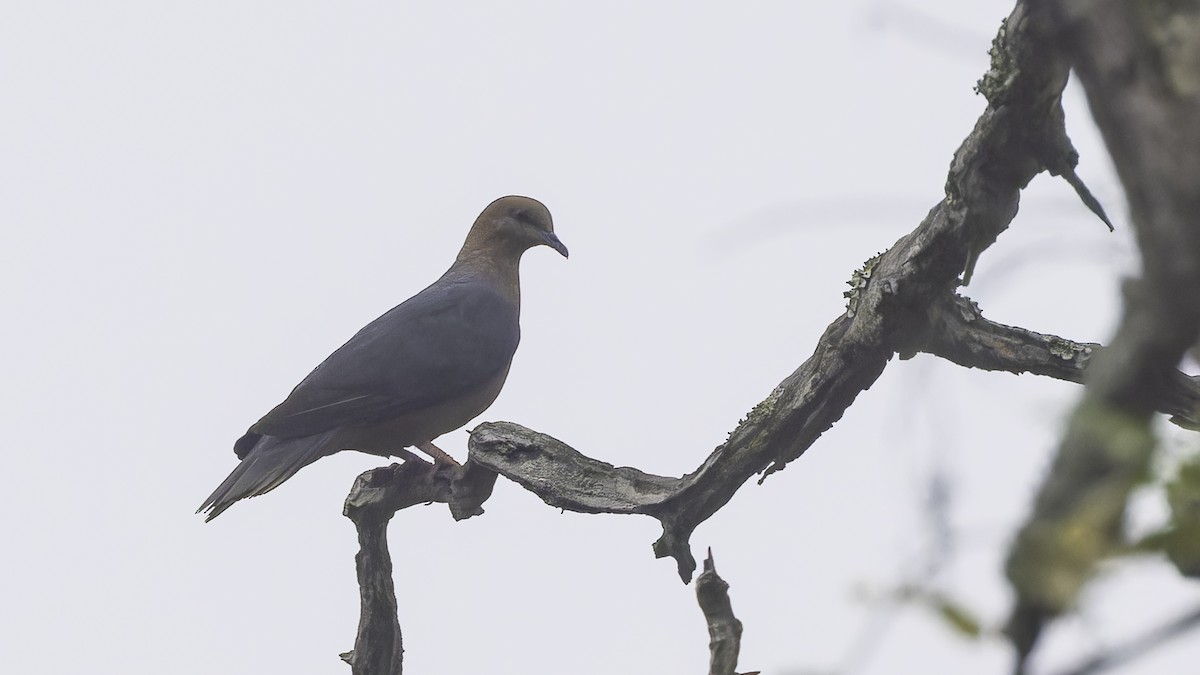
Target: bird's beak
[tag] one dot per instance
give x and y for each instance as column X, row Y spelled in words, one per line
column 551, row 240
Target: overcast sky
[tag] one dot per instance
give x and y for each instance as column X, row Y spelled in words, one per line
column 201, row 200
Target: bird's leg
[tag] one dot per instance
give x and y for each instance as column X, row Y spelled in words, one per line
column 405, row 455
column 436, row 453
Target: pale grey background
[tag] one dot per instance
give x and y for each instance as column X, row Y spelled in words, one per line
column 202, row 199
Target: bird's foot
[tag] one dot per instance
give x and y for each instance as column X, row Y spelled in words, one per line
column 439, row 456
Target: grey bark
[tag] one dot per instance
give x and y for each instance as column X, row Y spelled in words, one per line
column 373, row 500
column 724, row 629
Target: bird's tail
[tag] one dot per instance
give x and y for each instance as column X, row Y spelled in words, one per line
column 265, row 467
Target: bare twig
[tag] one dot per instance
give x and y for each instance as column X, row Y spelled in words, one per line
column 1129, row 651
column 724, row 629
column 1087, row 197
column 958, row 332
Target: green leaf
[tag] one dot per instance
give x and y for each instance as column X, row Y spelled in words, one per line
column 959, row 618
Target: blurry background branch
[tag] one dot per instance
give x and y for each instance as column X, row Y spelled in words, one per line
column 1119, row 656
column 1140, row 66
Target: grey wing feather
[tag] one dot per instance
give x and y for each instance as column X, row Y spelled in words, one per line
column 435, row 346
column 273, row 461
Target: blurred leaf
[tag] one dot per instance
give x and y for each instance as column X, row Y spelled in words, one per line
column 1078, row 517
column 1154, row 542
column 962, row 620
column 1182, row 537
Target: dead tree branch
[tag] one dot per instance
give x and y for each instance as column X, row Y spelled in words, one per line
column 902, row 302
column 373, row 500
column 957, row 331
column 1020, row 134
column 724, row 629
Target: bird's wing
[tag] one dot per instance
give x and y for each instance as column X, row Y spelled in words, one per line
column 436, row 346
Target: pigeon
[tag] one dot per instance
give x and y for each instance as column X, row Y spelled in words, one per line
column 426, row 367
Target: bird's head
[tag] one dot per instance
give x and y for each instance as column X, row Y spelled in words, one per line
column 513, row 225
